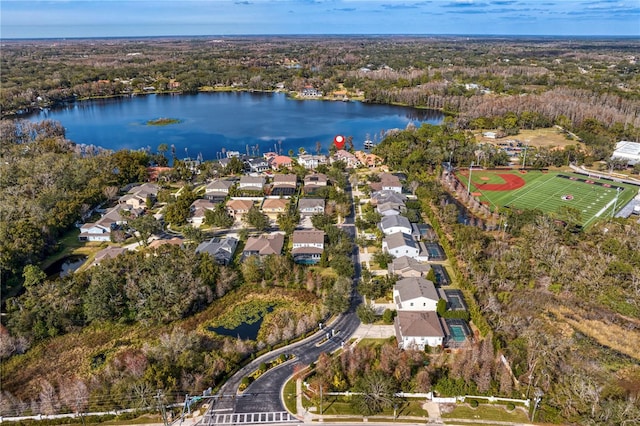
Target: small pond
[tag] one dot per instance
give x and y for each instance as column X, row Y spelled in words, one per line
column 248, row 330
column 65, row 266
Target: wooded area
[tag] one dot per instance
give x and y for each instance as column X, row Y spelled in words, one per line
column 563, row 307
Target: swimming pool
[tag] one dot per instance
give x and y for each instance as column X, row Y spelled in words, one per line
column 457, row 333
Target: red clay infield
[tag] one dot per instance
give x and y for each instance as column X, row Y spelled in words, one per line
column 511, row 182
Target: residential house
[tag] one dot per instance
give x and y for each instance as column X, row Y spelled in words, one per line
column 155, row 244
column 314, row 181
column 237, row 208
column 198, row 209
column 221, row 249
column 136, row 197
column 395, row 223
column 399, row 244
column 307, row 247
column 369, row 160
column 388, row 182
column 407, row 267
column 310, row 206
column 310, row 92
column 280, row 162
column 416, row 330
column 252, row 183
column 390, row 209
column 272, row 207
column 111, row 220
column 349, row 159
column 108, row 253
column 284, row 185
column 309, row 161
column 256, row 165
column 387, row 196
column 217, row 190
column 264, row 245
column 416, row 294
column 94, row 232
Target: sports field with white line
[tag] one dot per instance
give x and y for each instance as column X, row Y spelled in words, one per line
column 548, row 191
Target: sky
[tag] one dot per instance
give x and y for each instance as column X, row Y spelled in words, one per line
column 138, row 18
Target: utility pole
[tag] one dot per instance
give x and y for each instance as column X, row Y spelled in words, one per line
column 161, row 407
column 469, row 185
column 524, row 160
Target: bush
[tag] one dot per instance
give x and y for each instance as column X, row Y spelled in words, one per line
column 511, row 406
column 473, row 403
column 388, row 316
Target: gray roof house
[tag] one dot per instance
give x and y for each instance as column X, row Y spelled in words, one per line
column 399, row 244
column 284, row 184
column 218, row 189
column 416, row 294
column 390, row 209
column 395, row 223
column 386, row 196
column 251, row 183
column 406, row 267
column 221, row 249
column 307, row 246
column 310, row 206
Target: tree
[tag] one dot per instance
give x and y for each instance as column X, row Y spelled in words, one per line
column 218, row 217
column 374, row 392
column 256, row 218
column 33, row 275
column 194, row 234
column 337, row 300
column 144, row 227
column 366, row 313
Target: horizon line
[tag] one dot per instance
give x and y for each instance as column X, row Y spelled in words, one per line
column 439, row 35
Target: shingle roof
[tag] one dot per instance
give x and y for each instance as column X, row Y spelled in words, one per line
column 398, row 239
column 414, row 287
column 419, row 324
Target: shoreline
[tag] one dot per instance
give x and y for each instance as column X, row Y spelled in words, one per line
column 13, row 115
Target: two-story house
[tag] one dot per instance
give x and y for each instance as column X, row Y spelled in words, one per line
column 254, row 184
column 217, row 190
column 310, row 206
column 284, row 184
column 264, row 245
column 307, row 247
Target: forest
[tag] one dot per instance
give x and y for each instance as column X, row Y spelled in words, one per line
column 562, row 307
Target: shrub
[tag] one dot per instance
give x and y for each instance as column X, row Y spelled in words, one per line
column 473, row 403
column 511, row 406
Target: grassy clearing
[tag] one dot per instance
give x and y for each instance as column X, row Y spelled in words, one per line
column 547, row 137
column 486, row 412
column 623, row 340
column 289, row 394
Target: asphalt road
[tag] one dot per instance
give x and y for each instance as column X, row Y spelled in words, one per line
column 263, row 395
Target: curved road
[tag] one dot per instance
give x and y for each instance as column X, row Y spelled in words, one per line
column 263, row 395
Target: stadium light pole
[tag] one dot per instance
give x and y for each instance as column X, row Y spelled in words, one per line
column 615, row 202
column 524, row 160
column 469, row 185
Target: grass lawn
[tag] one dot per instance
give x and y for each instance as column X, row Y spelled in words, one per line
column 486, row 412
column 591, row 197
column 289, row 394
column 548, row 137
column 340, row 405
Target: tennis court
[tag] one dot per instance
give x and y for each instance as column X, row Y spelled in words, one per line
column 591, row 197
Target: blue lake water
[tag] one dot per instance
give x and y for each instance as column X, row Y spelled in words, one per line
column 235, row 121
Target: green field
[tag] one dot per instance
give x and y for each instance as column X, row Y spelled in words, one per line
column 549, row 191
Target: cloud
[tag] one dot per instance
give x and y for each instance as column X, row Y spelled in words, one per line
column 344, row 9
column 400, row 6
column 503, row 2
column 243, row 2
column 464, row 4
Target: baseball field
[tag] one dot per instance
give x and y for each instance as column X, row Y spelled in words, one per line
column 548, row 191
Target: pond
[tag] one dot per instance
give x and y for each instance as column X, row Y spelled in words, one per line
column 65, row 266
column 213, row 123
column 247, row 330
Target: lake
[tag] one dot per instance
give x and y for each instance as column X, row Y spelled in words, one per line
column 236, row 121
